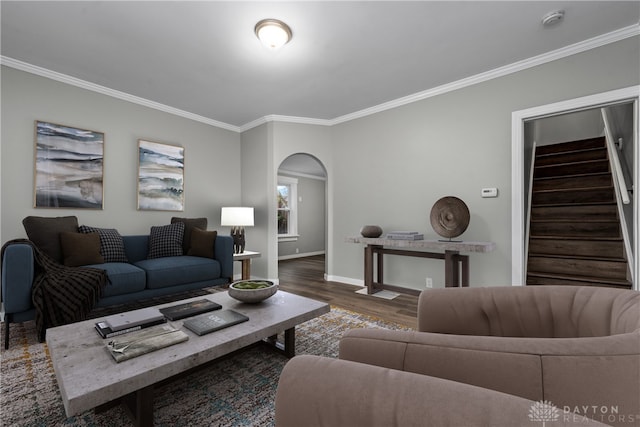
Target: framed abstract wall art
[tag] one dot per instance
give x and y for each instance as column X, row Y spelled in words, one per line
column 160, row 176
column 68, row 167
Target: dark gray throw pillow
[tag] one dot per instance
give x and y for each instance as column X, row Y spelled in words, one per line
column 202, row 243
column 189, row 225
column 111, row 243
column 80, row 249
column 166, row 240
column 44, row 232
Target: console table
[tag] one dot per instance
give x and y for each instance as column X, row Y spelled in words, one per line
column 456, row 266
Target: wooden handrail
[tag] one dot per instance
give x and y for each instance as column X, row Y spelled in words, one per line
column 527, row 224
column 621, row 188
column 615, row 161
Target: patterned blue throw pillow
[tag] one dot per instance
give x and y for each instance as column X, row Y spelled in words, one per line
column 111, row 243
column 166, row 240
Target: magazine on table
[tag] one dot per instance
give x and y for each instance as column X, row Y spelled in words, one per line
column 188, row 309
column 208, row 323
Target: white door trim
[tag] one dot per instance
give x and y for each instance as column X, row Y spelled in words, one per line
column 518, row 119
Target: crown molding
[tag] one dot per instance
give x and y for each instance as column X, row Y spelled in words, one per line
column 583, row 46
column 612, row 37
column 285, row 119
column 73, row 81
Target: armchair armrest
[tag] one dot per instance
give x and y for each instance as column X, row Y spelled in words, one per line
column 318, row 391
column 601, row 371
column 17, row 278
column 223, row 249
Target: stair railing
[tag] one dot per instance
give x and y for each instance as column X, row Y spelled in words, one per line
column 616, row 168
column 620, row 187
column 528, row 222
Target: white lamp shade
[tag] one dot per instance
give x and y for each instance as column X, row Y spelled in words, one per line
column 236, row 217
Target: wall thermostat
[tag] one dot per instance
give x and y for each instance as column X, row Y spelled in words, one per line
column 489, row 192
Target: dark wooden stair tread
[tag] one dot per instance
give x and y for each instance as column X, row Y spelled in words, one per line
column 583, row 280
column 581, row 257
column 574, row 223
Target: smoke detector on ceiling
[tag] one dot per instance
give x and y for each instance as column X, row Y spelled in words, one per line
column 553, row 18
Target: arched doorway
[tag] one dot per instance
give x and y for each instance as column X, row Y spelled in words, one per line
column 302, row 207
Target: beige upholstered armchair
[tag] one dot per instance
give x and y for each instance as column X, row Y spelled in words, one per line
column 475, row 351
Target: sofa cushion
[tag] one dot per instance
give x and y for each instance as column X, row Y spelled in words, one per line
column 80, row 249
column 189, row 225
column 124, row 278
column 171, row 271
column 44, row 232
column 202, row 243
column 166, row 240
column 111, row 243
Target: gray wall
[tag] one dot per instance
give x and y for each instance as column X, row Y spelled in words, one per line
column 212, row 155
column 311, row 218
column 567, row 127
column 390, row 168
column 258, row 192
column 315, row 140
column 387, row 169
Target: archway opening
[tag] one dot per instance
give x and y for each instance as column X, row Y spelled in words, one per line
column 302, row 208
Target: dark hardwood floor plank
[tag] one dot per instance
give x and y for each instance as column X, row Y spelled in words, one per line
column 305, row 276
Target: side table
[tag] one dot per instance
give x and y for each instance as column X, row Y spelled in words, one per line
column 245, row 259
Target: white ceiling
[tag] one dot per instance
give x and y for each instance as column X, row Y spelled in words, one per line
column 202, row 57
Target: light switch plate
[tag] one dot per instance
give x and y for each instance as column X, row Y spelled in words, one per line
column 489, row 192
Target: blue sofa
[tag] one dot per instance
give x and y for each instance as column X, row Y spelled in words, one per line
column 140, row 278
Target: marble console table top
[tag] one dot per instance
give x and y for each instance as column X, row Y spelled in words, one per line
column 463, row 246
column 88, row 376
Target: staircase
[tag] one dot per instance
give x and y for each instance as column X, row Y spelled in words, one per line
column 575, row 236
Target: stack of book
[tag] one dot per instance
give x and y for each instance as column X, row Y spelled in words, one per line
column 405, row 235
column 129, row 321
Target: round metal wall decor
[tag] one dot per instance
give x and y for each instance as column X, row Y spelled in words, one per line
column 449, row 217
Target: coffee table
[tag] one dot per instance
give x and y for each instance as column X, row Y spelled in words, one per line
column 88, row 377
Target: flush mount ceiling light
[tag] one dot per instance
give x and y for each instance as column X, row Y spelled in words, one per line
column 553, row 18
column 273, row 33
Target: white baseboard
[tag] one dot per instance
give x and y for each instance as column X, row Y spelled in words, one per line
column 306, row 254
column 346, row 280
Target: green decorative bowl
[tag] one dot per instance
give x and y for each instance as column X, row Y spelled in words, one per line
column 245, row 291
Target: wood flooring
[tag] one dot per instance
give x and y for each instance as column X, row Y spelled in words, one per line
column 305, row 276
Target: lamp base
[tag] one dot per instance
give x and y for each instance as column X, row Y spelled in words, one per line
column 237, row 233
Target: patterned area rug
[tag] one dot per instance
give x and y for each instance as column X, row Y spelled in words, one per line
column 236, row 391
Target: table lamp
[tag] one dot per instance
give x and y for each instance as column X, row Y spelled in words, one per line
column 237, row 218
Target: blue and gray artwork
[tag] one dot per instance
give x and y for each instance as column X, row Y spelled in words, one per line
column 160, row 179
column 68, row 167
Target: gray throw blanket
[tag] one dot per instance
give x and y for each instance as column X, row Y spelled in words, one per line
column 61, row 294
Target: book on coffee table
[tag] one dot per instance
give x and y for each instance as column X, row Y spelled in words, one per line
column 188, row 309
column 105, row 330
column 207, row 323
column 129, row 319
column 144, row 341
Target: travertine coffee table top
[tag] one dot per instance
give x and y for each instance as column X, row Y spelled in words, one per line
column 88, row 376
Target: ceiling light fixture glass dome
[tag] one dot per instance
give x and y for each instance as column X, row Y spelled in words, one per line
column 273, row 33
